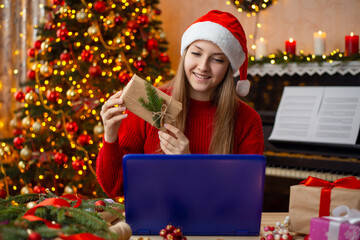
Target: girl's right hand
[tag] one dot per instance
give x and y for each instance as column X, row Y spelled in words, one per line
column 112, row 116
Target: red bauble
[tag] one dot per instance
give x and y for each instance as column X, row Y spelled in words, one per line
column 152, row 44
column 60, row 158
column 71, row 127
column 100, row 6
column 139, row 65
column 34, row 236
column 31, row 52
column 39, row 189
column 2, row 193
column 100, row 205
column 29, row 89
column 84, row 139
column 17, row 131
column 62, row 33
column 86, row 55
column 157, row 11
column 132, row 25
column 52, row 96
column 118, row 20
column 163, row 233
column 57, row 2
column 142, row 19
column 18, row 142
column 65, row 56
column 124, row 77
column 31, row 74
column 78, row 165
column 19, row 96
column 169, row 228
column 58, row 125
column 37, row 44
column 164, row 58
column 95, row 71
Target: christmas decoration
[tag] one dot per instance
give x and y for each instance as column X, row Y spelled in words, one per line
column 251, row 5
column 57, row 129
column 171, row 233
column 279, row 232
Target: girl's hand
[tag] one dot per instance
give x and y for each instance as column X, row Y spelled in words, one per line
column 173, row 145
column 112, row 116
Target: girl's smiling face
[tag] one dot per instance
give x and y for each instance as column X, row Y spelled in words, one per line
column 205, row 67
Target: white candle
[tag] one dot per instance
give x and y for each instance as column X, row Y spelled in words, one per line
column 319, row 43
column 261, row 48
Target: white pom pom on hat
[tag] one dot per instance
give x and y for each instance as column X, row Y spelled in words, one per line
column 224, row 30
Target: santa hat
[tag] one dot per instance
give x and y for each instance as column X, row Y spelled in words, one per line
column 226, row 32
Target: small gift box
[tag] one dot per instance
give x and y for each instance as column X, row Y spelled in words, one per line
column 315, row 197
column 343, row 225
column 150, row 103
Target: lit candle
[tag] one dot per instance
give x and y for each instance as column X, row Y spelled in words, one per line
column 261, row 48
column 351, row 44
column 290, row 46
column 319, row 43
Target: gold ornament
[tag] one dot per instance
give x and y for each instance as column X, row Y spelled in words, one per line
column 71, row 93
column 26, row 153
column 118, row 60
column 99, row 129
column 37, row 127
column 93, row 30
column 144, row 53
column 7, row 149
column 46, row 70
column 15, row 123
column 110, row 20
column 44, row 45
column 30, row 97
column 70, row 189
column 21, row 165
column 30, row 205
column 2, row 153
column 26, row 122
column 162, row 35
column 25, row 190
column 82, row 16
column 118, row 39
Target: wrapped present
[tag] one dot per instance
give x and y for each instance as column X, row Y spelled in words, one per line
column 315, row 197
column 150, row 103
column 343, row 225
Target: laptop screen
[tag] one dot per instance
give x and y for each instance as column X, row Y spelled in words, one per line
column 199, row 193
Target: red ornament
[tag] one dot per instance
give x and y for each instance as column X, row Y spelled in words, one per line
column 49, row 26
column 31, row 52
column 29, row 89
column 124, row 77
column 95, row 71
column 118, row 20
column 60, row 158
column 77, row 165
column 31, row 74
column 65, row 56
column 18, row 142
column 17, row 131
column 71, row 127
column 58, row 125
column 84, row 139
column 132, row 25
column 34, row 236
column 62, row 33
column 37, row 44
column 100, row 205
column 142, row 20
column 86, row 55
column 39, row 189
column 52, row 96
column 157, row 11
column 19, row 96
column 2, row 193
column 152, row 44
column 57, row 2
column 100, row 6
column 164, row 58
column 139, row 65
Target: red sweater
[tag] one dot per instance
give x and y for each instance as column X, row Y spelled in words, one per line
column 137, row 136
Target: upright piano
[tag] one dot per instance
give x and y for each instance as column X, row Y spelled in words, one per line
column 290, row 162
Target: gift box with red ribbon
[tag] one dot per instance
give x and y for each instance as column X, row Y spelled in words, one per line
column 315, row 197
column 344, row 224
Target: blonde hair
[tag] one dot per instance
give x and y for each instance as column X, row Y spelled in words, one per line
column 224, row 97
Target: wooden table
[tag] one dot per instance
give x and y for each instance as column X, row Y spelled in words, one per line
column 267, row 219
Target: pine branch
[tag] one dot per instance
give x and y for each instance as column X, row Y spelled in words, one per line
column 20, row 199
column 10, row 213
column 88, row 219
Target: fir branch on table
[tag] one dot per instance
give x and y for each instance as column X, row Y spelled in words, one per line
column 154, row 105
column 20, row 199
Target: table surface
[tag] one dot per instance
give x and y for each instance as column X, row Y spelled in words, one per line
column 267, row 219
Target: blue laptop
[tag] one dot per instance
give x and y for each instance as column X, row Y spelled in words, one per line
column 201, row 194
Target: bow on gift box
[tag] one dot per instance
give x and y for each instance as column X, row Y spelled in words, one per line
column 347, row 182
column 341, row 214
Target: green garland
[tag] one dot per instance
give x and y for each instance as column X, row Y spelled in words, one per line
column 251, row 5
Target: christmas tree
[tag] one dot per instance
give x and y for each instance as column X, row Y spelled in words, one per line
column 86, row 51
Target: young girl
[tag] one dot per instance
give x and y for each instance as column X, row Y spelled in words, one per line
column 213, row 120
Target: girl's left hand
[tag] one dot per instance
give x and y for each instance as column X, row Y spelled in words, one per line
column 173, row 145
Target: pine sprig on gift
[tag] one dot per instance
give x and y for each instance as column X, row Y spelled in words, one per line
column 154, row 105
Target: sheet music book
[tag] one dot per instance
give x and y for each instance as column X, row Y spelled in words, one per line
column 318, row 114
